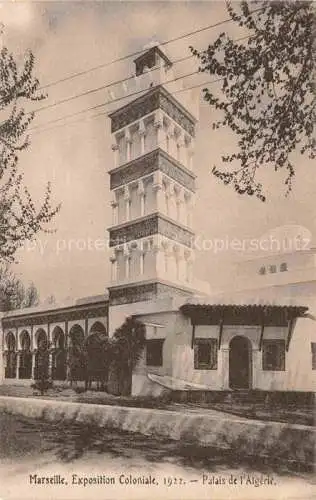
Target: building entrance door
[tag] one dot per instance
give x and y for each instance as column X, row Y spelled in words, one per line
column 240, row 363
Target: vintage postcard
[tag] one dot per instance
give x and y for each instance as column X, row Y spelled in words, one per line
column 157, row 250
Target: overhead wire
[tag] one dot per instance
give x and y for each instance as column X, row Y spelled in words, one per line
column 139, row 52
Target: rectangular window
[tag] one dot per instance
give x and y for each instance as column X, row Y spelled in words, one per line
column 154, row 352
column 273, row 355
column 313, row 347
column 205, row 354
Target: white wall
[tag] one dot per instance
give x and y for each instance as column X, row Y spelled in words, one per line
column 179, row 357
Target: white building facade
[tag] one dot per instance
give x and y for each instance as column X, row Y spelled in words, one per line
column 262, row 340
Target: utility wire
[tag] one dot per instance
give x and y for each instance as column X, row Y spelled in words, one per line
column 102, row 113
column 97, row 89
column 108, row 85
column 113, row 100
column 133, row 54
column 138, row 92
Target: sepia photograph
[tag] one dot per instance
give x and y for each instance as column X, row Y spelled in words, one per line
column 157, row 250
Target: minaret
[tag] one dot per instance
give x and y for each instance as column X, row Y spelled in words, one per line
column 153, row 188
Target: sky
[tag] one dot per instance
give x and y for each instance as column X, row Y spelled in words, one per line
column 69, row 37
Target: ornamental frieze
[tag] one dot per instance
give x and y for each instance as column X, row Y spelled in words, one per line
column 173, row 169
column 134, row 169
column 158, row 98
column 134, row 230
column 142, row 292
column 55, row 316
column 145, row 165
column 170, row 291
column 148, row 226
column 128, row 295
column 176, row 114
column 175, row 232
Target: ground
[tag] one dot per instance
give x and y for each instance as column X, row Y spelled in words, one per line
column 36, row 447
column 304, row 415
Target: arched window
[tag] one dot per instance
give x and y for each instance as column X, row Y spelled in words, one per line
column 41, row 356
column 10, row 369
column 41, row 337
column 76, row 353
column 98, row 328
column 262, row 270
column 272, row 269
column 59, row 354
column 283, row 267
column 25, row 368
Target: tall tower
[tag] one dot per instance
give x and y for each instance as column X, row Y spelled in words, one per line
column 153, row 188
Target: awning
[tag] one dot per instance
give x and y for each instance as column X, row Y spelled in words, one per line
column 237, row 314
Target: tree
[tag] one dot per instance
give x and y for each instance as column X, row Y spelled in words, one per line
column 50, row 300
column 31, row 296
column 42, row 380
column 267, row 90
column 20, row 220
column 98, row 357
column 76, row 361
column 14, row 294
column 127, row 346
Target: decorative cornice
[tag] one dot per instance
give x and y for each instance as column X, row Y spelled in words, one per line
column 148, row 226
column 57, row 315
column 157, row 98
column 155, row 160
column 144, row 292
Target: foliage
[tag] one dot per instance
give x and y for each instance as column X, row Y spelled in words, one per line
column 98, row 357
column 42, row 385
column 129, row 342
column 126, row 349
column 42, row 381
column 111, row 360
column 14, row 294
column 267, row 94
column 76, row 361
column 20, row 220
column 50, row 300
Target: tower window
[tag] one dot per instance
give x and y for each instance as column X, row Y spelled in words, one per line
column 167, row 203
column 313, row 348
column 144, row 206
column 262, row 270
column 167, row 143
column 154, row 352
column 272, row 269
column 283, row 267
column 178, row 151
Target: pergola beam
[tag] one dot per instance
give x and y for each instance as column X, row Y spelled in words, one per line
column 220, row 334
column 291, row 323
column 193, row 336
column 261, row 336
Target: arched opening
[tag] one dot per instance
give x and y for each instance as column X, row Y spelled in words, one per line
column 98, row 328
column 25, row 369
column 240, row 363
column 96, row 350
column 10, row 369
column 59, row 355
column 76, row 352
column 41, row 356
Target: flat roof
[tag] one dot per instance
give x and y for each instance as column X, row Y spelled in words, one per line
column 66, row 304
